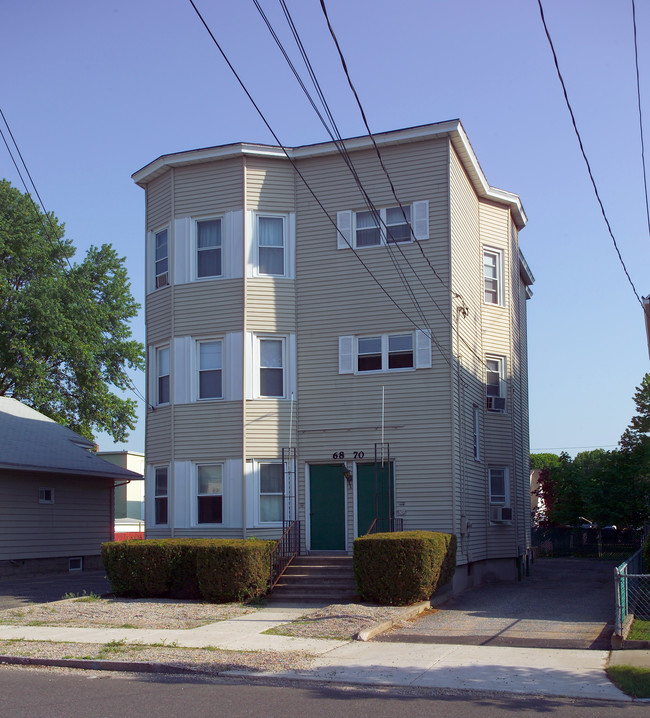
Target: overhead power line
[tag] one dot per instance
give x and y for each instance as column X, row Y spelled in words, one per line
column 584, row 154
column 297, row 169
column 638, row 97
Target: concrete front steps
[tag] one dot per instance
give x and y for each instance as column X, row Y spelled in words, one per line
column 318, row 579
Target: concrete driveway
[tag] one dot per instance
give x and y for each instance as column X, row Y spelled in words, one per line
column 564, row 603
column 42, row 588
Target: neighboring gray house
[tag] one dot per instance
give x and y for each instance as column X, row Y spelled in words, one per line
column 293, row 374
column 56, row 495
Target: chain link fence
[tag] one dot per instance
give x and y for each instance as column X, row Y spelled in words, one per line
column 607, row 543
column 632, row 599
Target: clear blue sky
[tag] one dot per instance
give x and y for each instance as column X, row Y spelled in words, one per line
column 95, row 90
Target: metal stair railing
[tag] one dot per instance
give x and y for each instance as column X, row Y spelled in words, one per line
column 284, row 551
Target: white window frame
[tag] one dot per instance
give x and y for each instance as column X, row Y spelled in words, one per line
column 197, row 249
column 258, row 365
column 199, row 342
column 285, row 243
column 502, row 500
column 491, row 403
column 497, row 255
column 155, row 260
column 476, row 432
column 157, row 376
column 349, row 352
column 157, row 495
column 45, row 495
column 418, row 225
column 198, row 495
column 257, row 467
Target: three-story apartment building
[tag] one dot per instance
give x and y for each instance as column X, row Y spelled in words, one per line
column 334, row 347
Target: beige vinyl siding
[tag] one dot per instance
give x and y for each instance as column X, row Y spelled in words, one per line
column 270, row 185
column 76, row 524
column 270, row 534
column 158, row 315
column 469, row 389
column 208, row 308
column 208, row 188
column 270, row 305
column 159, row 201
column 204, row 532
column 158, row 448
column 267, row 427
column 336, row 296
column 207, row 431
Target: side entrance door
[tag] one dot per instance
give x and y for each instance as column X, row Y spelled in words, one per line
column 327, row 507
column 375, row 497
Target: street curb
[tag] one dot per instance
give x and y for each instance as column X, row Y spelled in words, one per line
column 367, row 633
column 98, row 665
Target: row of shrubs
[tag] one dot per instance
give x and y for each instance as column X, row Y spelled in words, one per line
column 214, row 570
column 390, row 569
column 402, row 568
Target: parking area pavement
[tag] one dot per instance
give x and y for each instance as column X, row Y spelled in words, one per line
column 564, row 603
column 46, row 587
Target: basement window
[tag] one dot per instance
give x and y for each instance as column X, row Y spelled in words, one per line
column 76, row 563
column 45, row 496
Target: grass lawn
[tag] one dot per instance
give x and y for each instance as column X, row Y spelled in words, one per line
column 640, row 630
column 633, row 680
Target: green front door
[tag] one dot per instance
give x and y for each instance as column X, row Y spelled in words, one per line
column 374, row 497
column 327, row 507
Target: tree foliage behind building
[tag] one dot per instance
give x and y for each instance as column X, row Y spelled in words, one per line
column 65, row 339
column 606, row 487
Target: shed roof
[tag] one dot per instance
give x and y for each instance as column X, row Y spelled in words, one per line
column 31, row 441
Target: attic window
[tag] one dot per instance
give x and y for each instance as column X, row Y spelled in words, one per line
column 46, row 496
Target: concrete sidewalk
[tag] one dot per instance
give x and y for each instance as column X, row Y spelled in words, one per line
column 553, row 672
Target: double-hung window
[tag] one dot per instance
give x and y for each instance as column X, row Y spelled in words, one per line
column 381, row 226
column 495, row 384
column 386, row 352
column 271, row 492
column 161, row 495
column 271, row 368
column 271, row 246
column 498, row 478
column 210, row 369
column 208, row 248
column 162, row 375
column 161, row 258
column 209, row 493
column 493, row 277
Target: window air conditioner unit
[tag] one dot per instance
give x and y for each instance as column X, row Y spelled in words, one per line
column 496, row 403
column 162, row 280
column 500, row 514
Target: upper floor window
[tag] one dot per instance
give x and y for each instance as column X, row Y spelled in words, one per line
column 210, row 369
column 493, row 276
column 161, row 496
column 495, row 384
column 372, row 228
column 208, row 248
column 499, row 494
column 161, row 254
column 162, row 375
column 271, row 367
column 209, row 493
column 384, row 352
column 271, row 258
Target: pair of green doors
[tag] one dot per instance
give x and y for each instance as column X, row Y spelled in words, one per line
column 327, row 497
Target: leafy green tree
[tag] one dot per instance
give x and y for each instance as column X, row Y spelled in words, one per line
column 65, row 340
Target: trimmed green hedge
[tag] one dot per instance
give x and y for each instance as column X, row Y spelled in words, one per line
column 404, row 567
column 216, row 570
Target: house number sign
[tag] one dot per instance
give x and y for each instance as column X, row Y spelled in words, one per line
column 355, row 455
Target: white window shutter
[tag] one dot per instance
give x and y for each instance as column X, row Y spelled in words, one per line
column 346, row 355
column 344, row 226
column 421, row 219
column 422, row 350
